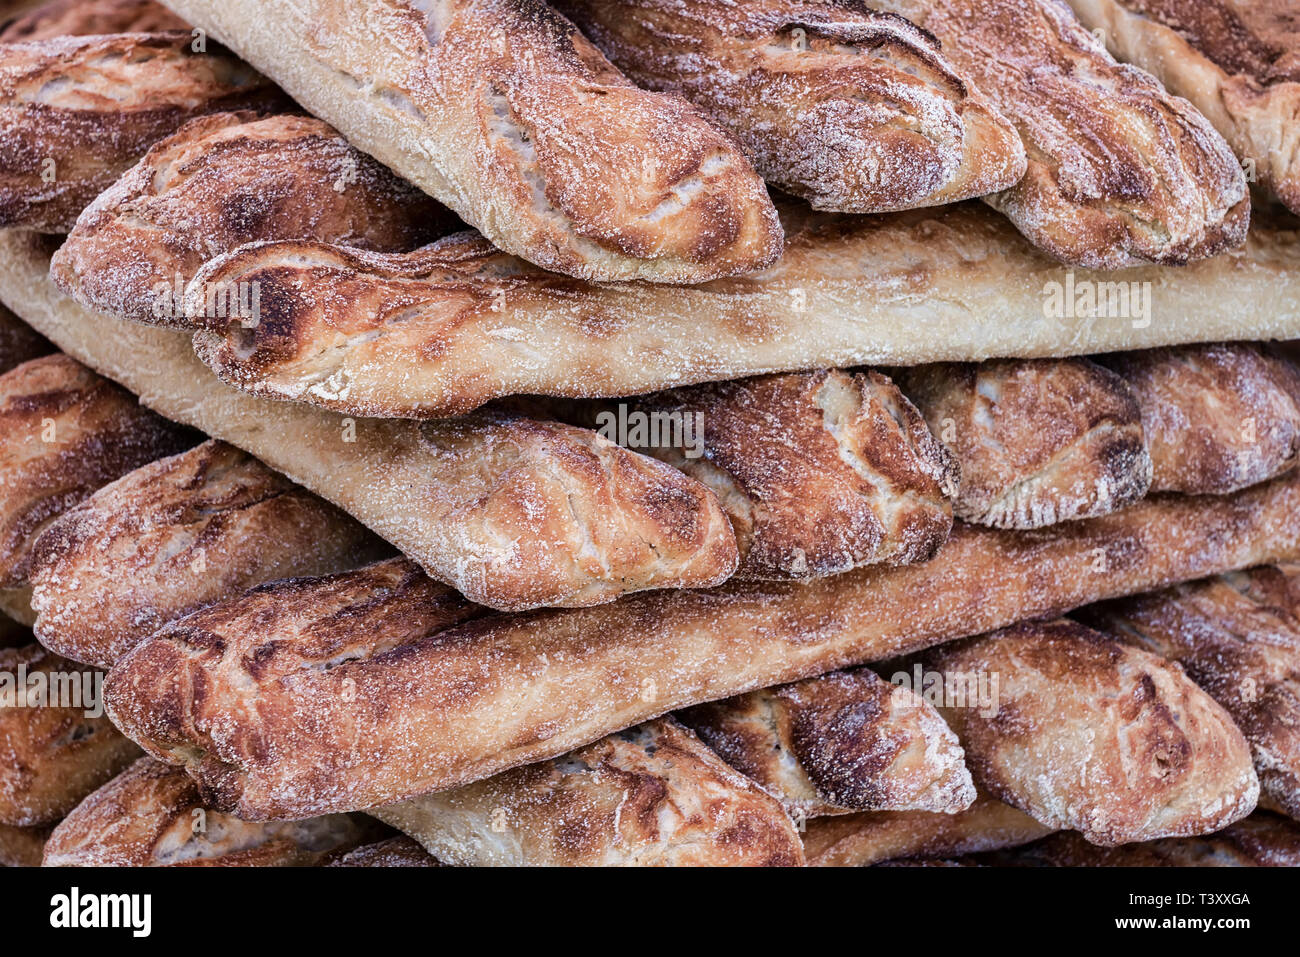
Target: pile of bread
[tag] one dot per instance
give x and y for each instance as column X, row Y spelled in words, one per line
column 974, row 537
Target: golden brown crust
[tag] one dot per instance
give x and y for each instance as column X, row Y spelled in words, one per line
column 395, row 852
column 1038, row 441
column 62, row 18
column 1092, row 735
column 1261, row 840
column 76, row 112
column 819, row 472
column 150, row 815
column 507, row 690
column 22, row 846
column 55, row 745
column 1237, row 61
column 843, row 742
column 853, row 110
column 221, row 181
column 859, row 840
column 19, row 342
column 458, row 323
column 506, row 113
column 67, row 431
column 1243, row 651
column 173, row 536
column 1120, row 172
column 651, row 796
column 1217, row 417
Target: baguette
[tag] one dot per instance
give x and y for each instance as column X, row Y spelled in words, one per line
column 1261, row 840
column 1037, row 441
column 221, row 181
column 393, row 852
column 1243, row 652
column 1237, row 62
column 62, row 18
column 859, row 840
column 22, row 846
column 651, row 796
column 1092, row 735
column 820, row 472
column 19, row 342
column 55, row 745
column 506, row 113
column 500, row 691
column 77, row 112
column 457, row 323
column 150, row 815
column 1217, row 417
column 560, row 517
column 173, row 536
column 853, row 110
column 67, row 432
column 843, row 742
column 1120, row 172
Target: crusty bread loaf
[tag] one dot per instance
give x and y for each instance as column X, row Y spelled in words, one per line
column 819, row 472
column 76, row 112
column 295, row 738
column 1120, row 171
column 851, row 109
column 858, row 840
column 67, row 431
column 1037, row 441
column 221, row 181
column 394, row 852
column 1092, row 735
column 62, row 18
column 22, row 846
column 1243, row 651
column 516, row 513
column 651, row 796
column 506, row 113
column 446, row 328
column 1217, row 417
column 1237, row 61
column 843, row 742
column 150, row 815
column 55, row 744
column 1260, row 840
column 19, row 341
column 173, row 536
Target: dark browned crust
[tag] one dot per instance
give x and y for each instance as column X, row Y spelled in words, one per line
column 1120, row 172
column 1261, row 840
column 1217, row 417
column 173, row 536
column 507, row 690
column 847, row 741
column 1038, row 441
column 650, row 796
column 93, row 105
column 854, row 110
column 150, row 815
column 1241, row 648
column 858, row 840
column 393, row 852
column 51, row 757
column 222, row 181
column 22, row 846
column 19, row 342
column 1096, row 736
column 61, row 18
column 820, row 472
column 67, row 432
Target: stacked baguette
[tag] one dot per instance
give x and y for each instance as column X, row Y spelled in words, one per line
column 591, row 535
